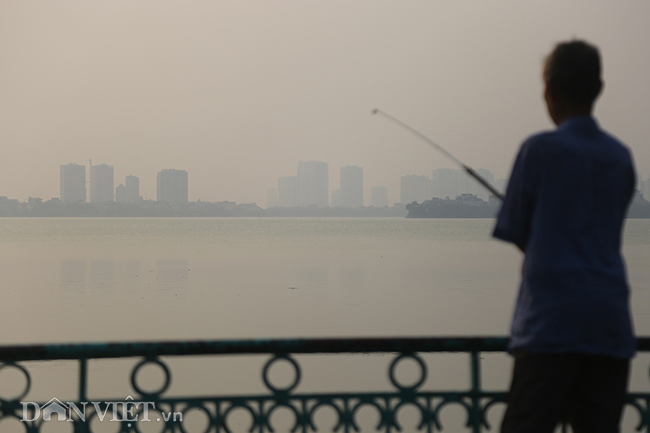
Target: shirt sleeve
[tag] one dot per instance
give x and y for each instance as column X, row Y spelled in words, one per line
column 514, row 218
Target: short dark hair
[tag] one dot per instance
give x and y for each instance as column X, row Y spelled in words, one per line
column 573, row 69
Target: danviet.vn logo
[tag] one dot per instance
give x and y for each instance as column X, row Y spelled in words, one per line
column 122, row 411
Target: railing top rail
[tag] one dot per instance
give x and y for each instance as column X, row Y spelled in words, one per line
column 260, row 346
column 221, row 347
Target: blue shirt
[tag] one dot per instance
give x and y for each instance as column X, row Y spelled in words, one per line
column 565, row 205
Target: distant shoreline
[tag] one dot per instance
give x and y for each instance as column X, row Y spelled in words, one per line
column 435, row 208
column 149, row 209
column 470, row 206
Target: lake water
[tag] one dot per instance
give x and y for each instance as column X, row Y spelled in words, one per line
column 72, row 280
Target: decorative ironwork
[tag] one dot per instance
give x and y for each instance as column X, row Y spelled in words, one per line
column 218, row 409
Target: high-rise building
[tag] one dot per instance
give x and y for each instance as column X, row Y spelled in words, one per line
column 288, row 191
column 72, row 182
column 132, row 185
column 172, row 186
column 379, row 196
column 352, row 186
column 101, row 183
column 313, row 184
column 120, row 194
column 415, row 188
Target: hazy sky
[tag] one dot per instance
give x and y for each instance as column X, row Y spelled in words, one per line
column 237, row 92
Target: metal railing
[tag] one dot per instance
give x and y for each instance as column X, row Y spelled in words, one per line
column 217, row 409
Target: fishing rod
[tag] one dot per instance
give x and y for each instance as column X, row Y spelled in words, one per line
column 469, row 170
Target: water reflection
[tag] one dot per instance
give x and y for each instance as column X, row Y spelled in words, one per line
column 72, row 276
column 317, row 277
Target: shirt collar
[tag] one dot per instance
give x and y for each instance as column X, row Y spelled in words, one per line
column 579, row 122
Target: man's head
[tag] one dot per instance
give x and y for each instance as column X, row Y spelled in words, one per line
column 572, row 80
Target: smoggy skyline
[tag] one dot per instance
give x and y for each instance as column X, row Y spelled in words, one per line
column 237, row 93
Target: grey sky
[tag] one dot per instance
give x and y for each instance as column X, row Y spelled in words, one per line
column 237, row 92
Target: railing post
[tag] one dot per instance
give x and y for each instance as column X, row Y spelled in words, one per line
column 476, row 389
column 83, row 374
column 83, row 427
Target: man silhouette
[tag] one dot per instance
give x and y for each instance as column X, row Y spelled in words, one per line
column 567, row 197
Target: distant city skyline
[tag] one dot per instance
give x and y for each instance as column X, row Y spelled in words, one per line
column 443, row 183
column 333, row 185
column 171, row 185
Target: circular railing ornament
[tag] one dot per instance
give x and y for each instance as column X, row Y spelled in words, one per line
column 341, row 416
column 486, row 407
column 155, row 393
column 417, row 383
column 200, row 408
column 256, row 419
column 351, row 420
column 28, row 382
column 299, row 418
column 291, row 386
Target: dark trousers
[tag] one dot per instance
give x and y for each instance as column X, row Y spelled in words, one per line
column 588, row 391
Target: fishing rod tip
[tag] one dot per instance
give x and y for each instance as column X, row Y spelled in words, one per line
column 375, row 111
